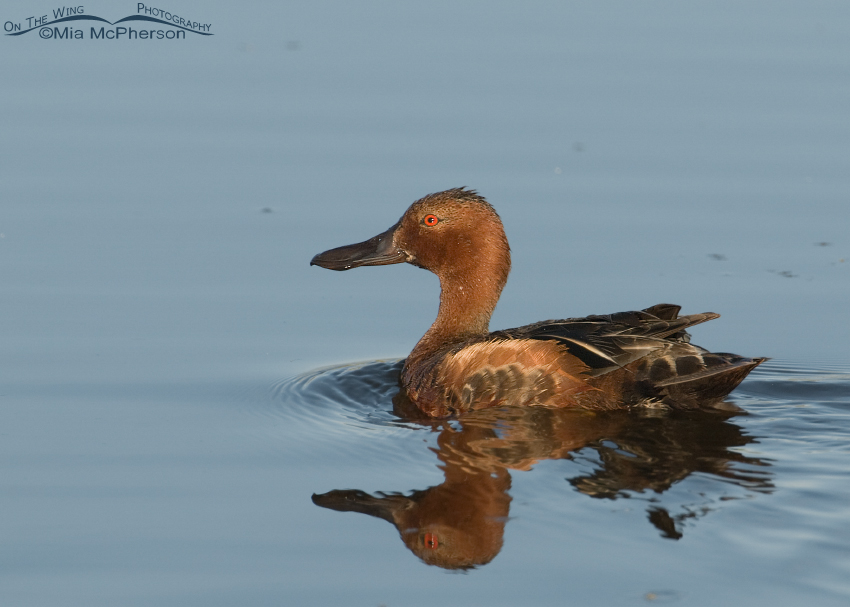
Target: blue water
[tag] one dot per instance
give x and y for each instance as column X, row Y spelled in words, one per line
column 665, row 502
column 176, row 383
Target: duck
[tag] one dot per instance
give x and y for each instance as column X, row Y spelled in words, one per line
column 625, row 360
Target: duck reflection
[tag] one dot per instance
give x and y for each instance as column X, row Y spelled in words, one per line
column 460, row 523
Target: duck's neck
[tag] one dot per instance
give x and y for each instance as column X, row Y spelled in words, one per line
column 468, row 297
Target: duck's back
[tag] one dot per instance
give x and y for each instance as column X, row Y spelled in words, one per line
column 622, row 360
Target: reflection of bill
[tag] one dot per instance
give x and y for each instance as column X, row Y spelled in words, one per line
column 460, row 523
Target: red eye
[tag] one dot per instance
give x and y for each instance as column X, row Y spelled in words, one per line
column 430, row 220
column 431, row 541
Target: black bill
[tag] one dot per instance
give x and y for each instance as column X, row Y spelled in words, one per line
column 377, row 251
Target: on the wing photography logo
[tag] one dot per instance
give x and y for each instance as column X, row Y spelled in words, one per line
column 68, row 23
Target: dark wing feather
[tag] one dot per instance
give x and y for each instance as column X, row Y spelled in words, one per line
column 605, row 342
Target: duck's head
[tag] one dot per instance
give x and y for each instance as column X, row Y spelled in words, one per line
column 458, row 236
column 449, row 233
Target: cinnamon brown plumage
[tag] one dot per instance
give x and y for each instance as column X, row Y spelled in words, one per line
column 627, row 359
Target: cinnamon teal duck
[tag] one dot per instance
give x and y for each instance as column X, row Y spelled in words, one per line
column 622, row 360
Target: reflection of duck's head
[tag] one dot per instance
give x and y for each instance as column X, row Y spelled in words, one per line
column 455, row 525
column 621, row 360
column 460, row 523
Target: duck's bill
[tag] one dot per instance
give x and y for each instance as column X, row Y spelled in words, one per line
column 354, row 500
column 377, row 251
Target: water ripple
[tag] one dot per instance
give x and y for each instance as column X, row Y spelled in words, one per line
column 357, row 394
column 349, row 407
column 788, row 382
column 681, row 465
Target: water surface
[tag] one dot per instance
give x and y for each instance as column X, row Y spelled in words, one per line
column 176, row 383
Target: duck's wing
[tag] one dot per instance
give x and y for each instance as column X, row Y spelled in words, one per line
column 609, row 361
column 611, row 341
column 646, row 356
column 553, row 360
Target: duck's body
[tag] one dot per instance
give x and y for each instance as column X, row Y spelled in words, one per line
column 620, row 360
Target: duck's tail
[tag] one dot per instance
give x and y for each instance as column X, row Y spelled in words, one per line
column 722, row 374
